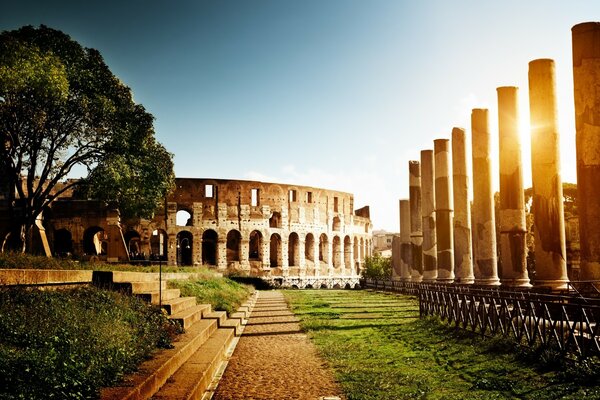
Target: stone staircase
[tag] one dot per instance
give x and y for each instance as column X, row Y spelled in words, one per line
column 186, row 370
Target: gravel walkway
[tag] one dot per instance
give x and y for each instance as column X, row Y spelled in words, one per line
column 274, row 359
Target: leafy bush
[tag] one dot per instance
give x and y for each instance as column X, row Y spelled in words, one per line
column 67, row 344
column 377, row 267
column 222, row 293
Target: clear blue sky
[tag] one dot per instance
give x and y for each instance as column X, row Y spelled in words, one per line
column 337, row 93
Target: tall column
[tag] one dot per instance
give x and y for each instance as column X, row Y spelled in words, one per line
column 463, row 259
column 586, row 83
column 444, row 205
column 513, row 246
column 430, row 272
column 484, row 224
column 405, row 243
column 416, row 234
column 548, row 212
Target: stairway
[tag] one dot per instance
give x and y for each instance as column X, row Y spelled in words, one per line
column 186, row 370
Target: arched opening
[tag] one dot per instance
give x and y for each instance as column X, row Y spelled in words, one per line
column 323, row 286
column 158, row 245
column 183, row 218
column 184, row 248
column 347, row 286
column 63, row 243
column 255, row 248
column 275, row 220
column 234, row 241
column 362, row 250
column 275, row 246
column 337, row 286
column 132, row 241
column 93, row 238
column 209, row 247
column 294, row 250
column 323, row 248
column 336, row 223
column 309, row 247
column 348, row 252
column 337, row 252
column 356, row 255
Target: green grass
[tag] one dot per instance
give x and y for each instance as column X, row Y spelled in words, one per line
column 380, row 349
column 222, row 293
column 66, row 344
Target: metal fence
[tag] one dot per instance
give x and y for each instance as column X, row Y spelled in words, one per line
column 566, row 322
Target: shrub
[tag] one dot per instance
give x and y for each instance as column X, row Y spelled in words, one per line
column 67, row 344
column 223, row 294
column 377, row 267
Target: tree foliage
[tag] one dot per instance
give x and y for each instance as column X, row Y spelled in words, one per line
column 62, row 108
column 377, row 267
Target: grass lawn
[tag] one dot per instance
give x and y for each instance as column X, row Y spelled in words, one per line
column 380, row 349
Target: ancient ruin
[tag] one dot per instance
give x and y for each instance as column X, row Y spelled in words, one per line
column 430, row 256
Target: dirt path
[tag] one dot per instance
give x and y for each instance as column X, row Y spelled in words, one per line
column 274, row 359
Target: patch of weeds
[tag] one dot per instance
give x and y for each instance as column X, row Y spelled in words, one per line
column 223, row 294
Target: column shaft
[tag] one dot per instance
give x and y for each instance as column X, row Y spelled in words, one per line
column 416, row 234
column 586, row 83
column 513, row 247
column 548, row 211
column 405, row 243
column 484, row 225
column 463, row 259
column 430, row 272
column 444, row 206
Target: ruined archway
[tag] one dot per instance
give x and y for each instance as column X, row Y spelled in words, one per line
column 336, row 224
column 348, row 252
column 337, row 252
column 323, row 248
column 275, row 246
column 309, row 247
column 184, row 248
column 209, row 247
column 132, row 241
column 234, row 241
column 275, row 220
column 294, row 250
column 63, row 243
column 158, row 245
column 255, row 246
column 356, row 255
column 93, row 238
column 183, row 218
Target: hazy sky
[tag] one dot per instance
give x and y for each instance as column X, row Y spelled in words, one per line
column 339, row 94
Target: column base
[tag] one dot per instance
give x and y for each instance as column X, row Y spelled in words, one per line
column 430, row 276
column 445, row 280
column 554, row 284
column 521, row 282
column 465, row 281
column 487, row 282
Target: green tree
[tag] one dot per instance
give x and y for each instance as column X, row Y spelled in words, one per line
column 377, row 267
column 62, row 108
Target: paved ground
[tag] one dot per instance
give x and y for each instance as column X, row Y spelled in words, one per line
column 274, row 359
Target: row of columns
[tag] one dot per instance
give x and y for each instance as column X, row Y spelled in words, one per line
column 445, row 239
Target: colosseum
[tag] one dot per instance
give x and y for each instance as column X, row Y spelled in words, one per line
column 289, row 235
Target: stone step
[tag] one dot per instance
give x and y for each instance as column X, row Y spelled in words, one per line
column 188, row 317
column 153, row 373
column 234, row 323
column 193, row 378
column 146, row 286
column 152, row 297
column 219, row 316
column 179, row 304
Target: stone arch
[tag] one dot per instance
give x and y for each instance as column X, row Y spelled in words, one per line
column 348, row 252
column 158, row 245
column 183, row 217
column 275, row 220
column 94, row 241
column 275, row 246
column 337, row 252
column 132, row 242
column 294, row 250
column 336, row 226
column 185, row 242
column 255, row 252
column 356, row 255
column 323, row 248
column 63, row 242
column 309, row 247
column 362, row 249
column 209, row 247
column 234, row 242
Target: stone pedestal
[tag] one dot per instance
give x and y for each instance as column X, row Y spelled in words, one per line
column 548, row 213
column 513, row 247
column 485, row 266
column 586, row 83
column 416, row 233
column 428, row 216
column 463, row 259
column 444, row 205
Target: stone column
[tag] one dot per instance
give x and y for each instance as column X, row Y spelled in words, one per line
column 302, row 254
column 316, row 257
column 245, row 253
column 548, row 212
column 513, row 247
column 463, row 259
column 416, row 234
column 586, row 83
column 197, row 248
column 444, row 207
column 484, row 224
column 222, row 252
column 265, row 244
column 405, row 243
column 430, row 272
